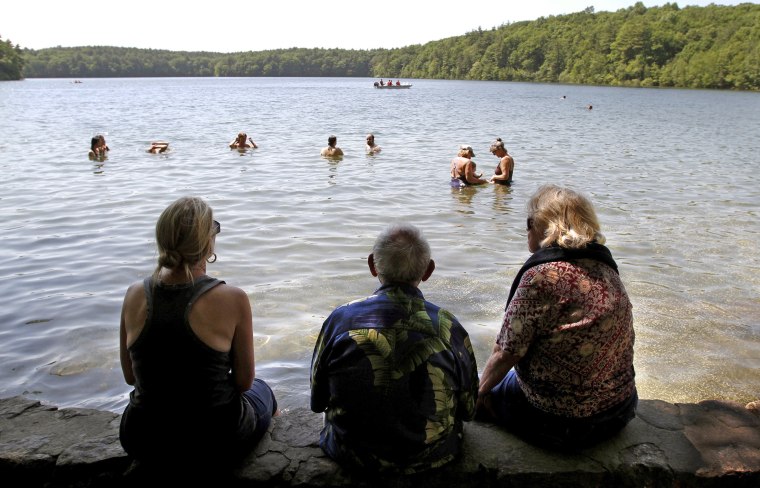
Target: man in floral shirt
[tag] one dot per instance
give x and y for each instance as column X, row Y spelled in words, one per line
column 394, row 373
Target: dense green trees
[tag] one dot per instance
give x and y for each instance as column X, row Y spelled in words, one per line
column 11, row 61
column 700, row 47
column 704, row 47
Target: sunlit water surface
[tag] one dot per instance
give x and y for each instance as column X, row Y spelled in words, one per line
column 673, row 174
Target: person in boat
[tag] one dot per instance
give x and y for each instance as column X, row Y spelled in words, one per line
column 381, row 82
column 332, row 151
column 390, row 82
column 394, row 373
column 561, row 372
column 98, row 147
column 502, row 175
column 242, row 141
column 157, row 147
column 186, row 345
column 463, row 168
column 398, row 83
column 371, row 147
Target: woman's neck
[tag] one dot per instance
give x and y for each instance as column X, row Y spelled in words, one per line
column 178, row 275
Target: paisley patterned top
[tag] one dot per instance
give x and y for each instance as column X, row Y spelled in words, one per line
column 572, row 325
column 396, row 376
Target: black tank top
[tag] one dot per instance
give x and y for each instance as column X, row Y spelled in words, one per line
column 183, row 387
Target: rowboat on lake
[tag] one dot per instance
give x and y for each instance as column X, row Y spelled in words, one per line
column 392, row 86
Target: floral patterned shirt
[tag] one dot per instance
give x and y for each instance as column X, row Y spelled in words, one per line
column 571, row 324
column 396, row 376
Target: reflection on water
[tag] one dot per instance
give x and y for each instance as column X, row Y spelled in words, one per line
column 672, row 173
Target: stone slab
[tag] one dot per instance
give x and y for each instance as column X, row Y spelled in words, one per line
column 712, row 443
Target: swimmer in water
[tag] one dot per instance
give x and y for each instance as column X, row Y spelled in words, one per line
column 242, row 142
column 157, row 147
column 372, row 148
column 332, row 151
column 98, row 147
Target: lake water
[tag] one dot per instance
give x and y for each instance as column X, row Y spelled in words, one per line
column 673, row 173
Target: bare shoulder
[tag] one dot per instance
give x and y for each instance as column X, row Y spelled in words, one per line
column 228, row 293
column 134, row 292
column 134, row 308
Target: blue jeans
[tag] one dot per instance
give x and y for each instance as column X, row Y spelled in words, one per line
column 261, row 397
column 519, row 416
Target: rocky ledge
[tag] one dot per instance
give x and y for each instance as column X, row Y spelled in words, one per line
column 712, row 443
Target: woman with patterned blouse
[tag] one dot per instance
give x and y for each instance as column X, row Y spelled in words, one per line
column 567, row 331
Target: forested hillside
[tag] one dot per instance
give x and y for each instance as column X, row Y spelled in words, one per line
column 11, row 61
column 699, row 47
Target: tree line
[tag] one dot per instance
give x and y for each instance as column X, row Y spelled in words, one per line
column 696, row 47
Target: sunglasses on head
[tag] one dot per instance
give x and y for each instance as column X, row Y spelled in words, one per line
column 217, row 227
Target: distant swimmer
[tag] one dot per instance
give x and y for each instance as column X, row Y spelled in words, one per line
column 157, row 147
column 332, row 151
column 242, row 141
column 463, row 168
column 98, row 147
column 372, row 148
column 502, row 175
column 590, row 107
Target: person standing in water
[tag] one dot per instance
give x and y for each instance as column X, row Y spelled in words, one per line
column 463, row 168
column 502, row 175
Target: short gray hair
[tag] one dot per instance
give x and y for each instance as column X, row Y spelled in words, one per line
column 401, row 254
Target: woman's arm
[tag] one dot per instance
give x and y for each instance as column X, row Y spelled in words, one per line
column 126, row 360
column 497, row 367
column 131, row 312
column 469, row 174
column 243, row 362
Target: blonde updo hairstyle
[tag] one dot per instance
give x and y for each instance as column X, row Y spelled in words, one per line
column 184, row 235
column 566, row 217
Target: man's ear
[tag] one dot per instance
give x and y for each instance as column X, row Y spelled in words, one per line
column 429, row 270
column 371, row 264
